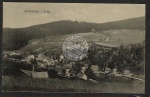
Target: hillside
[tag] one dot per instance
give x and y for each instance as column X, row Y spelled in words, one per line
column 134, row 23
column 117, row 37
column 14, row 39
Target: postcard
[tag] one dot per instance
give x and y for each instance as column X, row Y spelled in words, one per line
column 73, row 47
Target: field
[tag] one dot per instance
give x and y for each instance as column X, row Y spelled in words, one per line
column 116, row 37
column 66, row 85
column 125, row 37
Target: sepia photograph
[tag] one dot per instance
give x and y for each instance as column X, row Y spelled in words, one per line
column 73, row 47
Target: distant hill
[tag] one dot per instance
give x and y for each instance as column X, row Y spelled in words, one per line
column 14, row 39
column 133, row 23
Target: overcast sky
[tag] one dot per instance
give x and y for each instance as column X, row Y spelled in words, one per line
column 14, row 15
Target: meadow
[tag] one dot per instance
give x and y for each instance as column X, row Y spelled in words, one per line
column 117, row 37
column 66, row 85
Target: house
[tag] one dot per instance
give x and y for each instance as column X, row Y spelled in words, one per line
column 93, row 30
column 58, row 67
column 83, row 68
column 116, row 73
column 5, row 55
column 127, row 72
column 40, row 55
column 115, row 70
column 108, row 70
column 27, row 61
column 13, row 53
column 41, row 64
column 81, row 74
column 45, row 61
column 67, row 73
column 35, row 74
column 49, row 62
column 61, row 57
column 94, row 67
column 40, row 75
column 86, row 65
column 67, row 66
column 29, row 57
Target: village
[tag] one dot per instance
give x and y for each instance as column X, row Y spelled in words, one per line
column 41, row 65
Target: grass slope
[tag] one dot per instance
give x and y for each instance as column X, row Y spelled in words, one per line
column 117, row 37
column 66, row 85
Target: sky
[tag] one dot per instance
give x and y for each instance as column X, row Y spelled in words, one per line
column 20, row 15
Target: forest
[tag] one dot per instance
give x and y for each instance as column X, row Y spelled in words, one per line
column 121, row 58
